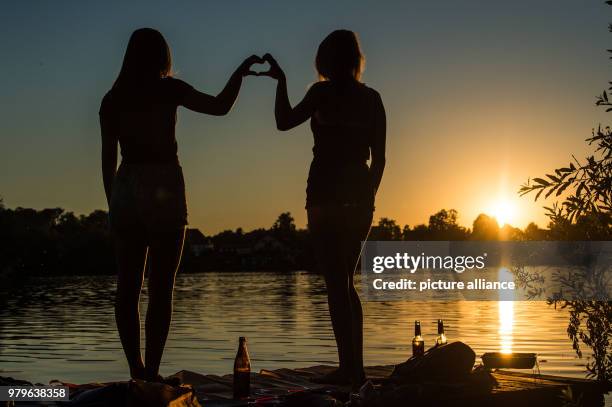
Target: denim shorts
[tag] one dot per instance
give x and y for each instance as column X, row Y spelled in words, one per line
column 148, row 198
column 336, row 233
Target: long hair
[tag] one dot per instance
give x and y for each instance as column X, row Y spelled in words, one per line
column 339, row 57
column 147, row 57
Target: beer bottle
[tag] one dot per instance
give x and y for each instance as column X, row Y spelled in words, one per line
column 418, row 343
column 242, row 371
column 441, row 339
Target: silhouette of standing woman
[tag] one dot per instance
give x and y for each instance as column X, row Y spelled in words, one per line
column 348, row 123
column 146, row 195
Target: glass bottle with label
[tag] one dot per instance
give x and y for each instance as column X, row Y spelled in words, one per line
column 418, row 343
column 242, row 371
column 441, row 339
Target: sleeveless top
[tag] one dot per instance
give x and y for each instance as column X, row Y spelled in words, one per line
column 143, row 117
column 339, row 174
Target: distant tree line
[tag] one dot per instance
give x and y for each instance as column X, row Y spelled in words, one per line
column 57, row 242
column 443, row 225
column 53, row 241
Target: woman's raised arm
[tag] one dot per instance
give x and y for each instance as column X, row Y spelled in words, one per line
column 288, row 117
column 221, row 104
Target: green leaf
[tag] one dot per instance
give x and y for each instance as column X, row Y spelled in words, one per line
column 552, row 177
column 563, row 187
column 541, row 181
column 551, row 191
column 538, row 194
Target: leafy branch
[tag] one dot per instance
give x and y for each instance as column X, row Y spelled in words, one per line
column 590, row 182
column 587, row 190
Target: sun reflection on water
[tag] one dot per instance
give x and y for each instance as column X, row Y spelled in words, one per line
column 506, row 324
column 506, row 315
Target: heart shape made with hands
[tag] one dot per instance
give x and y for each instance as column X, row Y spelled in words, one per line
column 262, row 65
column 273, row 68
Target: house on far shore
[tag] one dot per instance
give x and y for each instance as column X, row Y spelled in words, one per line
column 268, row 242
column 256, row 250
column 197, row 243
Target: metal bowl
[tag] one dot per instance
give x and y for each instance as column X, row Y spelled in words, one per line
column 498, row 360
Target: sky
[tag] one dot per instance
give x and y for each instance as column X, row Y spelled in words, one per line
column 480, row 96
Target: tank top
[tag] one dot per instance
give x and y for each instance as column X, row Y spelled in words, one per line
column 339, row 173
column 143, row 117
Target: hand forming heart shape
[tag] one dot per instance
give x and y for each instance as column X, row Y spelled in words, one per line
column 274, row 70
column 264, row 64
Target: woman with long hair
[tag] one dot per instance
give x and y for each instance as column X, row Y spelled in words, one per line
column 146, row 194
column 348, row 123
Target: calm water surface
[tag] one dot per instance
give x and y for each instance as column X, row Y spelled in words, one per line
column 63, row 328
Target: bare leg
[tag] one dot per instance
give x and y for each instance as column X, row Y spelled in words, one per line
column 131, row 255
column 357, row 374
column 337, row 234
column 361, row 221
column 328, row 245
column 165, row 258
column 338, row 300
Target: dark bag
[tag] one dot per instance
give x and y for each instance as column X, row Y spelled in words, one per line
column 453, row 361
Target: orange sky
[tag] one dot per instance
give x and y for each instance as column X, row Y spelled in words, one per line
column 475, row 105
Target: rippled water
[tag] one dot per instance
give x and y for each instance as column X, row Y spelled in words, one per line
column 64, row 327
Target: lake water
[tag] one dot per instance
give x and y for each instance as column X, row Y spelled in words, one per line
column 63, row 328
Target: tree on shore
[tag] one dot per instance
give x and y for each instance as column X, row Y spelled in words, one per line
column 485, row 227
column 443, row 226
column 585, row 213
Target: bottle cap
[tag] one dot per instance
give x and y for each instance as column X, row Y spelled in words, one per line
column 242, row 339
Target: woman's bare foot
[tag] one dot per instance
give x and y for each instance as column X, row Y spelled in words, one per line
column 138, row 373
column 357, row 380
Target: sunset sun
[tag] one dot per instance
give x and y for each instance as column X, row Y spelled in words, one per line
column 504, row 212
